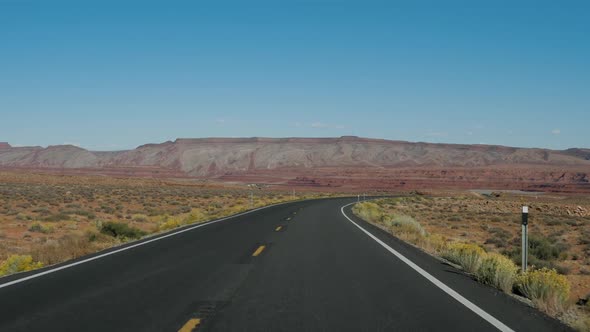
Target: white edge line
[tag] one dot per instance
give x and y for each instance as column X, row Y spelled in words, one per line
column 480, row 312
column 40, row 274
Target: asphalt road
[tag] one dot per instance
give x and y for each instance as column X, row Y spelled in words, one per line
column 317, row 272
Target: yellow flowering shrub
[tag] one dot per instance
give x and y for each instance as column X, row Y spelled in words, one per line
column 468, row 255
column 497, row 270
column 368, row 211
column 546, row 288
column 169, row 223
column 435, row 243
column 19, row 263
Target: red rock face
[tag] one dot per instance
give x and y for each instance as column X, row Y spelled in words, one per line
column 4, row 145
column 326, row 163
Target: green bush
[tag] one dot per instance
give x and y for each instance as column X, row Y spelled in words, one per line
column 498, row 271
column 545, row 249
column 546, row 288
column 121, row 230
column 18, row 263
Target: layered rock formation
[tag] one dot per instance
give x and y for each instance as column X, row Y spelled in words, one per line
column 328, row 162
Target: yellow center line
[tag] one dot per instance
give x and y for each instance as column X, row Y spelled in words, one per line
column 258, row 251
column 278, row 228
column 190, row 325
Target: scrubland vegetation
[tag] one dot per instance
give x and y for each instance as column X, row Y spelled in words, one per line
column 481, row 234
column 47, row 219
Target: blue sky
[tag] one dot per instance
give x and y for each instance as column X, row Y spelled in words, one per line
column 110, row 75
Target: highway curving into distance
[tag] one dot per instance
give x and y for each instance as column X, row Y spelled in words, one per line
column 303, row 266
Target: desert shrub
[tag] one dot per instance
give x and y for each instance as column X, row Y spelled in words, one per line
column 73, row 246
column 70, row 246
column 106, row 209
column 155, row 212
column 500, row 232
column 198, row 215
column 551, row 221
column 455, row 218
column 368, row 211
column 499, row 242
column 581, row 324
column 12, row 212
column 92, row 236
column 184, row 209
column 24, row 205
column 468, row 256
column 121, row 230
column 57, row 217
column 40, row 228
column 496, row 219
column 80, row 212
column 545, row 249
column 169, row 223
column 498, row 271
column 18, row 263
column 435, row 243
column 23, row 217
column 407, row 224
column 516, row 256
column 546, row 288
column 543, row 252
column 44, row 211
column 140, row 218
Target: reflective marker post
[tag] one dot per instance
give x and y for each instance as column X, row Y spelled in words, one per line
column 525, row 237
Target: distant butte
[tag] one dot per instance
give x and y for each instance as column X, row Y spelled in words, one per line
column 340, row 163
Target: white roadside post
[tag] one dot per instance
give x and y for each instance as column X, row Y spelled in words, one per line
column 250, row 186
column 525, row 235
